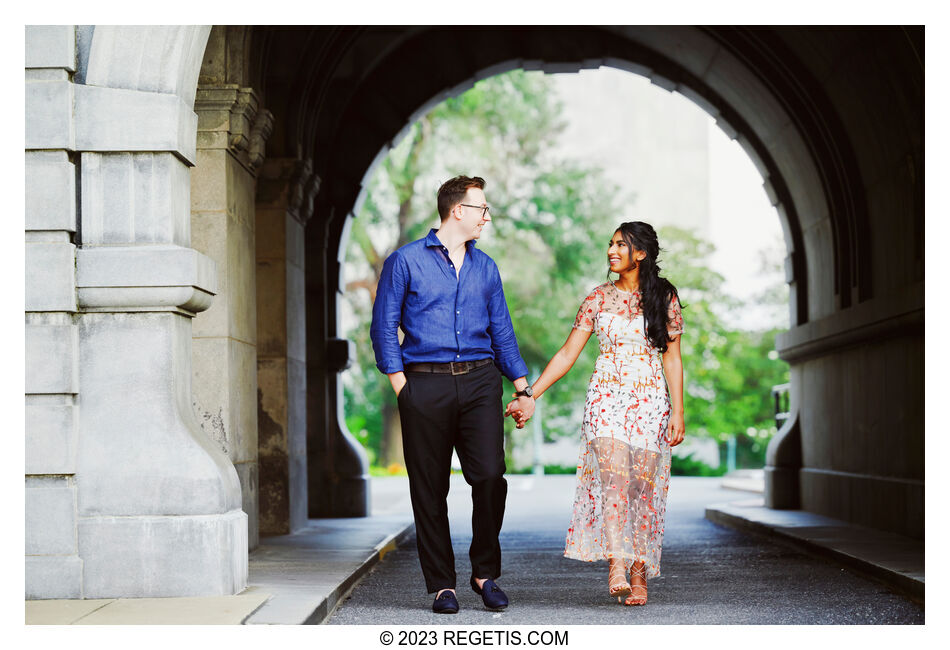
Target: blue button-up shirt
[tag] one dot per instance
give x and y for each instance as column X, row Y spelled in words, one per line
column 444, row 317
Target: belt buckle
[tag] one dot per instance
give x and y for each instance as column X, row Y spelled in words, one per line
column 463, row 367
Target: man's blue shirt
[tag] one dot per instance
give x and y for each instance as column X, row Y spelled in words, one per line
column 444, row 318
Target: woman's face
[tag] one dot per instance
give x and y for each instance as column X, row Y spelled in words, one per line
column 619, row 255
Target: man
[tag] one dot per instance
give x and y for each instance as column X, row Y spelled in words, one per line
column 447, row 297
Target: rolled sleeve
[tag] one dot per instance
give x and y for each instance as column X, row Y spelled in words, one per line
column 503, row 341
column 387, row 314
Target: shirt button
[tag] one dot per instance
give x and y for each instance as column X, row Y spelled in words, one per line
column 458, row 331
column 457, row 356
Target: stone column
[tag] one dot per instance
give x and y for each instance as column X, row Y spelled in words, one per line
column 232, row 129
column 284, row 204
column 339, row 467
column 150, row 503
column 53, row 565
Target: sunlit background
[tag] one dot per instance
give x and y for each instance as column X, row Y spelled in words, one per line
column 566, row 158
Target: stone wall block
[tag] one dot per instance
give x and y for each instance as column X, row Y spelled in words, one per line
column 112, row 119
column 242, row 360
column 209, row 185
column 295, row 249
column 209, row 236
column 52, row 359
column 51, row 46
column 51, row 519
column 240, row 201
column 50, row 438
column 297, row 440
column 50, row 276
column 242, row 285
column 296, row 313
column 140, row 198
column 53, row 577
column 210, row 384
column 50, row 191
column 270, row 232
column 272, row 448
column 155, row 557
column 271, row 308
column 144, row 266
column 49, row 115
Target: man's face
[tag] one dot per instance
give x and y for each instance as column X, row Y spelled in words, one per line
column 473, row 219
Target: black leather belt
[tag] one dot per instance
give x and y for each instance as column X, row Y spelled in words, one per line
column 450, row 368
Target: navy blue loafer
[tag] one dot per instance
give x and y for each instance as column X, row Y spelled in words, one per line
column 445, row 603
column 492, row 595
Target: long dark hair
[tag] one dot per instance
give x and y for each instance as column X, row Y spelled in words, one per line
column 655, row 292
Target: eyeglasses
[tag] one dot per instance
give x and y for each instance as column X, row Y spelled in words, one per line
column 483, row 208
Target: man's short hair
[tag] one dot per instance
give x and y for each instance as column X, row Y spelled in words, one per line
column 453, row 192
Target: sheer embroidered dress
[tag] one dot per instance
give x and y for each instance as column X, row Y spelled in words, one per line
column 624, row 467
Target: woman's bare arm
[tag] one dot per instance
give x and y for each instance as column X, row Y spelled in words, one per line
column 673, row 369
column 523, row 407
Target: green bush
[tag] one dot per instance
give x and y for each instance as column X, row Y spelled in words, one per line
column 688, row 466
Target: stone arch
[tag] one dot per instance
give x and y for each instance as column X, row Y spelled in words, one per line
column 776, row 91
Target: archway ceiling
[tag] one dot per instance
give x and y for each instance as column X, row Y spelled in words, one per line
column 344, row 93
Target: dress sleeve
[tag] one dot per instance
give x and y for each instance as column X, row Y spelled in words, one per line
column 674, row 317
column 588, row 311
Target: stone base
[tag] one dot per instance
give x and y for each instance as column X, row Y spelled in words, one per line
column 782, row 488
column 882, row 502
column 164, row 556
column 53, row 576
column 340, row 497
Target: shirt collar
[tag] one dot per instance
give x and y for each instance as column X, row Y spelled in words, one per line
column 432, row 240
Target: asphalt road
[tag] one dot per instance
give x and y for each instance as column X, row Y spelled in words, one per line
column 710, row 574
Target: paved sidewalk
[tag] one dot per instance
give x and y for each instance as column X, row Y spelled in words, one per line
column 896, row 561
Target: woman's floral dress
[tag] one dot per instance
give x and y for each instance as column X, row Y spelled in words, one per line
column 624, row 468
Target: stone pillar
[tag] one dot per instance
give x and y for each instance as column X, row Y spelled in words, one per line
column 53, row 565
column 232, row 129
column 150, row 503
column 339, row 467
column 284, row 204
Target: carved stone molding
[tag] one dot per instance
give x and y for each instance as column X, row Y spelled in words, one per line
column 304, row 187
column 230, row 117
column 291, row 182
column 144, row 278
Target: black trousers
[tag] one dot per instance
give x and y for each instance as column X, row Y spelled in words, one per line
column 439, row 412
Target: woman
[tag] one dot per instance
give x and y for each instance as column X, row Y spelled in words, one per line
column 630, row 419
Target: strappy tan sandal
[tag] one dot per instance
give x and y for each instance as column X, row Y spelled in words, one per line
column 617, row 583
column 638, row 593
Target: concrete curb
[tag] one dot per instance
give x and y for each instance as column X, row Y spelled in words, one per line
column 884, row 569
column 327, row 605
column 325, row 609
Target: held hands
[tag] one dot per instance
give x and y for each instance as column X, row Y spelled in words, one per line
column 521, row 409
column 677, row 429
